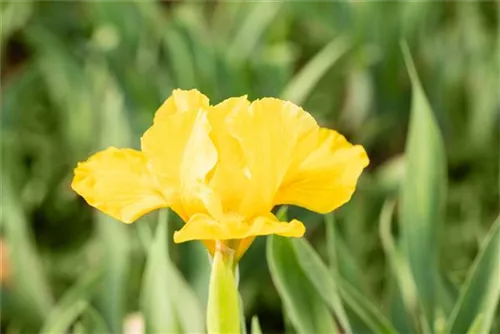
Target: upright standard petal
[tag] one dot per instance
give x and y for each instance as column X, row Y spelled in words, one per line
column 118, row 182
column 180, row 101
column 326, row 178
column 230, row 179
column 268, row 133
column 180, row 152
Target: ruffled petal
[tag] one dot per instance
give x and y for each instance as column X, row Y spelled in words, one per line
column 327, row 177
column 118, row 182
column 180, row 152
column 203, row 227
column 268, row 133
column 180, row 101
column 229, row 179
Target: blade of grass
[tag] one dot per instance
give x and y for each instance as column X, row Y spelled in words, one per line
column 256, row 325
column 260, row 16
column 186, row 304
column 341, row 261
column 321, row 279
column 367, row 312
column 72, row 303
column 29, row 283
column 399, row 266
column 301, row 85
column 180, row 58
column 423, row 194
column 167, row 301
column 114, row 239
column 475, row 308
column 93, row 322
column 156, row 294
column 305, row 308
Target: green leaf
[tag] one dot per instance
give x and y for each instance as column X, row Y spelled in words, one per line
column 341, row 261
column 368, row 313
column 322, row 280
column 223, row 309
column 399, row 265
column 304, row 306
column 167, row 301
column 243, row 322
column 180, row 58
column 475, row 308
column 256, row 325
column 93, row 322
column 260, row 16
column 189, row 312
column 157, row 288
column 301, row 85
column 114, row 239
column 72, row 303
column 331, row 242
column 29, row 284
column 423, row 195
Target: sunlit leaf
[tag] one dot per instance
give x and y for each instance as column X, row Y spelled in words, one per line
column 304, row 306
column 475, row 309
column 423, row 194
column 322, row 280
column 256, row 325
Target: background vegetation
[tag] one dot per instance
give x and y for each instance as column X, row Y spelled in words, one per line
column 80, row 76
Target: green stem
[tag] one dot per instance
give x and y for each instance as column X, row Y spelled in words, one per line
column 223, row 307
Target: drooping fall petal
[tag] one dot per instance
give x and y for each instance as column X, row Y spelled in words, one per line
column 327, row 177
column 203, row 227
column 118, row 182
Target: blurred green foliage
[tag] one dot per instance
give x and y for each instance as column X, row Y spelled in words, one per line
column 80, row 76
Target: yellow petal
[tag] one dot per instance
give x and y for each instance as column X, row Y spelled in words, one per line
column 180, row 152
column 326, row 178
column 243, row 246
column 182, row 100
column 117, row 182
column 229, row 180
column 203, row 227
column 268, row 132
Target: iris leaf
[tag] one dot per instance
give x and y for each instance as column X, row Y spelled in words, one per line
column 29, row 284
column 301, row 85
column 321, row 279
column 72, row 303
column 256, row 325
column 304, row 306
column 475, row 309
column 423, row 195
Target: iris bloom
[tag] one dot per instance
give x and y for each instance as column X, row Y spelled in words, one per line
column 223, row 168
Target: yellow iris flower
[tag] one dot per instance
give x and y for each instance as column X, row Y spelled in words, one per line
column 223, row 168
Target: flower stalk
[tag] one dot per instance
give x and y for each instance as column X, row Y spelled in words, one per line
column 223, row 314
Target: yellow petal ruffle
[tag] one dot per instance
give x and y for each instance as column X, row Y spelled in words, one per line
column 180, row 101
column 180, row 151
column 118, row 182
column 326, row 178
column 203, row 227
